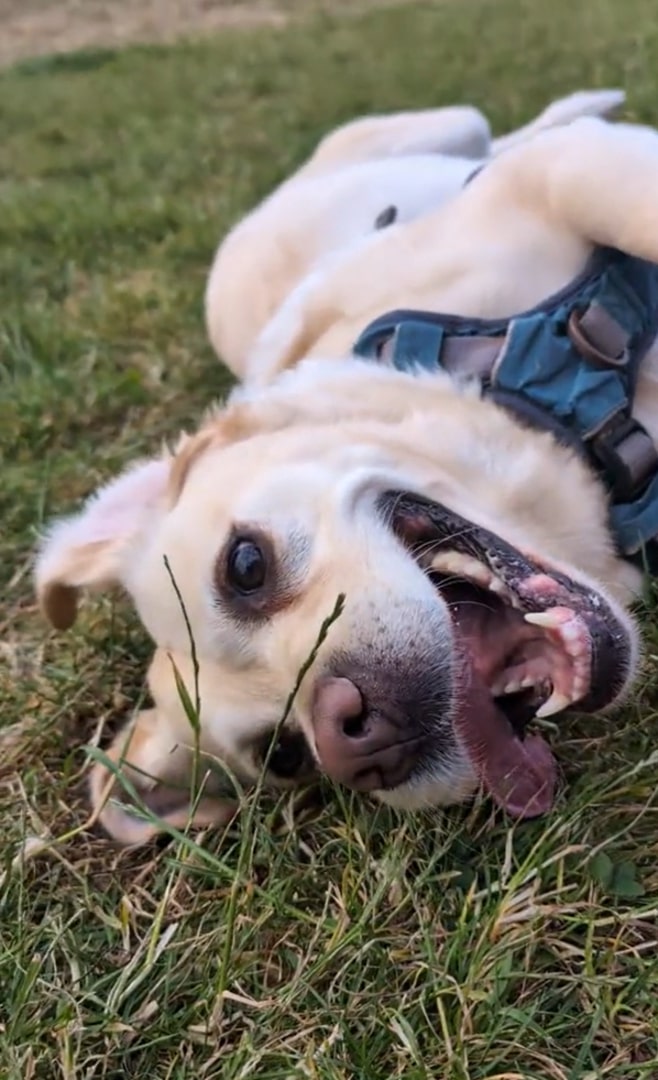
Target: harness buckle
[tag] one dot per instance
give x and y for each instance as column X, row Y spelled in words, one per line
column 629, row 456
column 597, row 336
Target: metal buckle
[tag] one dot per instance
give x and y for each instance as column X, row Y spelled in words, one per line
column 629, row 456
column 597, row 336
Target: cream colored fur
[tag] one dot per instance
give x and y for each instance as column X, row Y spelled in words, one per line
column 313, row 435
column 414, row 161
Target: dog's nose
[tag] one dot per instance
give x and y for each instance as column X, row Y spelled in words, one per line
column 360, row 746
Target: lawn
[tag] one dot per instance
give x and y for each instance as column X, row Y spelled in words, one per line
column 324, row 938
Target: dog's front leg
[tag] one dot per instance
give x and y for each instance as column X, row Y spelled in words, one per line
column 595, row 181
column 155, row 754
column 455, row 130
column 561, row 112
column 458, row 130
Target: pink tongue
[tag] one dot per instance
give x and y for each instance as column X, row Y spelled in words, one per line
column 520, row 776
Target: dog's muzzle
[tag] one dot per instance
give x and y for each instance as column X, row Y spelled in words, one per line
column 528, row 641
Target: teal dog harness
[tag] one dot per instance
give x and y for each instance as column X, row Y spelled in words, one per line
column 569, row 366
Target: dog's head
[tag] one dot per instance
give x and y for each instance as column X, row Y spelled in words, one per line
column 450, row 640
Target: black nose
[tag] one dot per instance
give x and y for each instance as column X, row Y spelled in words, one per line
column 362, row 746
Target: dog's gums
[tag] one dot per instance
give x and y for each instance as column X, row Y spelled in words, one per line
column 530, row 642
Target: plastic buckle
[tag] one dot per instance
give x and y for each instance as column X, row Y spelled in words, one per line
column 629, row 456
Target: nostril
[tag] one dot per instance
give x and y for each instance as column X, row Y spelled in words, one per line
column 339, row 708
column 359, row 741
column 356, row 726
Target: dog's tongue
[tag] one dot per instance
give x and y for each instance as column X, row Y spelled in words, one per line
column 520, row 776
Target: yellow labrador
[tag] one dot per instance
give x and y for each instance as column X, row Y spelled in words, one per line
column 373, row 170
column 482, row 582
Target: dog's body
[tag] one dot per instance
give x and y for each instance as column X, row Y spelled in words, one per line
column 408, row 163
column 293, row 494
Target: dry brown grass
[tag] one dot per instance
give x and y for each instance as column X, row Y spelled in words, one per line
column 39, row 27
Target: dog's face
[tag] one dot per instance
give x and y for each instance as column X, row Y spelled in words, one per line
column 449, row 640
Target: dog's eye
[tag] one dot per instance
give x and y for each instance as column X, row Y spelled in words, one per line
column 246, row 567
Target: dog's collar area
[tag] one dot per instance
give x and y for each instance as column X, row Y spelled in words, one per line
column 569, row 366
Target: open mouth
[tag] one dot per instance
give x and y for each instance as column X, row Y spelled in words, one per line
column 531, row 643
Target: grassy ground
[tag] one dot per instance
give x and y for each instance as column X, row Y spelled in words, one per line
column 325, row 939
column 37, row 27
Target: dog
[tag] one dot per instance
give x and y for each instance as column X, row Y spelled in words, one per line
column 425, row 566
column 371, row 171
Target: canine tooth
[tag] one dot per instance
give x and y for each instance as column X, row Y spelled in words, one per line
column 528, row 681
column 547, row 619
column 555, row 704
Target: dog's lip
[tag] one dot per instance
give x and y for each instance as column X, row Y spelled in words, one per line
column 423, row 524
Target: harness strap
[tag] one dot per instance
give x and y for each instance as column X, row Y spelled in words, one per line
column 467, row 357
column 569, row 366
column 623, row 448
column 626, row 453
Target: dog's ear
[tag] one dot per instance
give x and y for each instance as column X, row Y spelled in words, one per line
column 89, row 548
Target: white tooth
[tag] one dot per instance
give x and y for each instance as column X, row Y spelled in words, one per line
column 555, row 704
column 447, row 558
column 528, row 681
column 500, row 688
column 477, row 573
column 546, row 619
column 453, row 562
column 448, row 561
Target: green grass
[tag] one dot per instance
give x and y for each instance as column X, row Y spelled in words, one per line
column 327, row 938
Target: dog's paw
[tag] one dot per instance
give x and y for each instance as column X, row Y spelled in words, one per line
column 141, row 787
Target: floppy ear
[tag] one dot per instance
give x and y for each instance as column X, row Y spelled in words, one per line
column 89, row 548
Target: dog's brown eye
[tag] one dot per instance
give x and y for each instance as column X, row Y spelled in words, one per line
column 246, row 568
